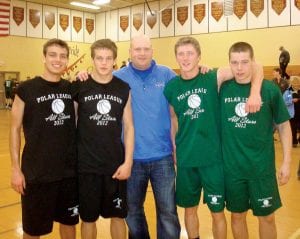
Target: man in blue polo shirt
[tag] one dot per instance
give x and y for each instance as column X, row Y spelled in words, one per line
column 153, row 148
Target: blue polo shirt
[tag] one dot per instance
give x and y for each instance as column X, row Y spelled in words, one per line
column 150, row 109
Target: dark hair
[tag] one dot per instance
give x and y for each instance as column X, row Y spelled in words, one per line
column 188, row 40
column 241, row 47
column 56, row 42
column 104, row 44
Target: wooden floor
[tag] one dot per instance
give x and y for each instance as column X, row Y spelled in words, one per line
column 287, row 217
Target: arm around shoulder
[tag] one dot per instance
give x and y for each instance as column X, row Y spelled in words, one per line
column 254, row 100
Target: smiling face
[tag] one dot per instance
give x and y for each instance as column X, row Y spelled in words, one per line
column 141, row 52
column 187, row 58
column 55, row 60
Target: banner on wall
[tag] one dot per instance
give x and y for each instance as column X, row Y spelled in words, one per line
column 256, row 7
column 199, row 12
column 217, row 10
column 278, row 6
column 50, row 19
column 159, row 19
column 4, row 17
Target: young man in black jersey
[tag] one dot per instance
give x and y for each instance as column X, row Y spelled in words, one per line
column 103, row 105
column 43, row 106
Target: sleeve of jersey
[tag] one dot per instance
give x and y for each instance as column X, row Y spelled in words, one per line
column 75, row 89
column 21, row 91
column 281, row 113
column 168, row 92
column 128, row 89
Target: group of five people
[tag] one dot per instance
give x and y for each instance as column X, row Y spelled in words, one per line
column 133, row 126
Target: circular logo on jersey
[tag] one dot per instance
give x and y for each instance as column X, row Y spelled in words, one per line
column 58, row 106
column 266, row 202
column 103, row 106
column 240, row 110
column 194, row 101
column 214, row 199
column 75, row 211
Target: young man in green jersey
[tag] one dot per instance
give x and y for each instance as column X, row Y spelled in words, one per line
column 248, row 148
column 194, row 105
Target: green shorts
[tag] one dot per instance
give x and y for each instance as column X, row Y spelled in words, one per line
column 191, row 180
column 260, row 195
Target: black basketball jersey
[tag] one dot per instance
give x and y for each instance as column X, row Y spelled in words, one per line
column 99, row 125
column 49, row 153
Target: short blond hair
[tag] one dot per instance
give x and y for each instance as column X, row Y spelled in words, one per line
column 188, row 41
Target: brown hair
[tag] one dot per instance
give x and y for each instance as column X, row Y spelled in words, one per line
column 241, row 47
column 56, row 42
column 104, row 44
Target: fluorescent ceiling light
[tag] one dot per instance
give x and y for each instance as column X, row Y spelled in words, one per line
column 85, row 5
column 101, row 2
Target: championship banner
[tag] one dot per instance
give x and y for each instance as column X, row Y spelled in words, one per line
column 256, row 7
column 89, row 25
column 152, row 19
column 217, row 10
column 77, row 23
column 49, row 19
column 124, row 22
column 137, row 20
column 166, row 17
column 34, row 17
column 297, row 4
column 64, row 21
column 278, row 6
column 4, row 17
column 182, row 14
column 199, row 12
column 240, row 8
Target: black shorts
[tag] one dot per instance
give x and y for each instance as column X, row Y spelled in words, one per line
column 47, row 202
column 101, row 196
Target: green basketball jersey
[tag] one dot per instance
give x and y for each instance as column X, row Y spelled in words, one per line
column 196, row 105
column 247, row 139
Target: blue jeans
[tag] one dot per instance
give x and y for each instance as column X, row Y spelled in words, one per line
column 161, row 174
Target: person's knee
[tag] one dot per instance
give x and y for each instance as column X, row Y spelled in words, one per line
column 237, row 218
column 118, row 220
column 190, row 211
column 88, row 224
column 218, row 216
column 270, row 219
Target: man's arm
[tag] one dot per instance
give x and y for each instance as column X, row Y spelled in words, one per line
column 285, row 135
column 254, row 100
column 124, row 171
column 17, row 177
column 174, row 129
